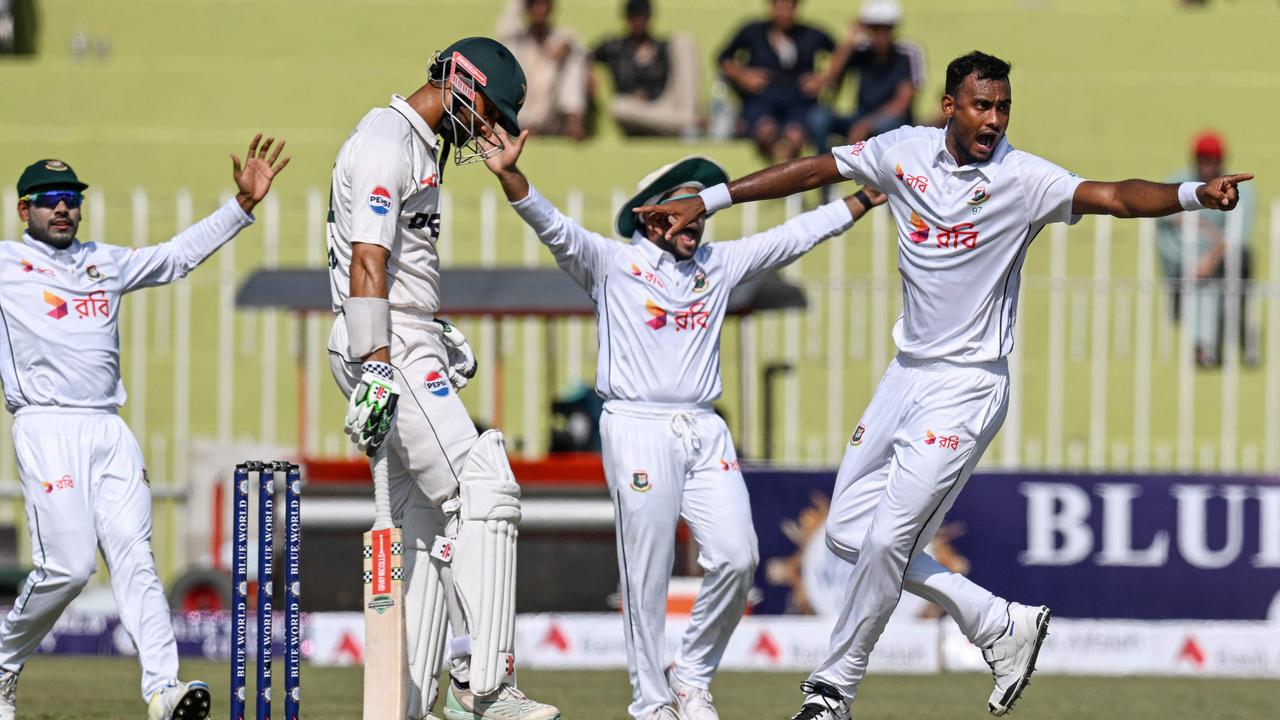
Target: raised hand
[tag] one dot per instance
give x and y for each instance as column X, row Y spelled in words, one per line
column 253, row 177
column 505, row 160
column 681, row 212
column 1222, row 193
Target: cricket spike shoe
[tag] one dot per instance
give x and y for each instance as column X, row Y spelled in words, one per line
column 181, row 701
column 821, row 702
column 692, row 703
column 666, row 712
column 8, row 695
column 1013, row 657
column 506, row 703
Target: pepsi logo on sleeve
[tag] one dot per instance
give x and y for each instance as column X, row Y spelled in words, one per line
column 437, row 384
column 380, row 200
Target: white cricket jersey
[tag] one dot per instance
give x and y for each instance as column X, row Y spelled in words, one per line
column 963, row 234
column 386, row 191
column 659, row 319
column 59, row 341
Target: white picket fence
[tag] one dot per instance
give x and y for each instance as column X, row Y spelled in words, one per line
column 1095, row 345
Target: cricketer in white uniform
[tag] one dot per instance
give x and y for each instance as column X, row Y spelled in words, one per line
column 967, row 206
column 384, row 222
column 660, row 305
column 83, row 478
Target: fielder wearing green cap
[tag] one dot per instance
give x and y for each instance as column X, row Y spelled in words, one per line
column 83, row 475
column 660, row 304
column 402, row 369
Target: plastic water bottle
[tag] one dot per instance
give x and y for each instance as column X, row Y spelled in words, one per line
column 723, row 116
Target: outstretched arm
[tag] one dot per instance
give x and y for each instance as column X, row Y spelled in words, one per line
column 164, row 263
column 580, row 253
column 781, row 180
column 1142, row 198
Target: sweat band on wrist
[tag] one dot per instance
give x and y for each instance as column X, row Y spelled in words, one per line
column 716, row 198
column 368, row 324
column 861, row 196
column 1187, row 196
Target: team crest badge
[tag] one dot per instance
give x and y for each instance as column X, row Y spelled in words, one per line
column 640, row 482
column 700, row 282
column 856, row 438
column 92, row 272
column 55, row 165
column 979, row 196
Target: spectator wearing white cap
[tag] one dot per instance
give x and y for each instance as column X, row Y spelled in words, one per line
column 889, row 73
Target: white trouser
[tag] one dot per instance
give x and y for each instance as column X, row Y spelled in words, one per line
column 428, row 444
column 662, row 463
column 917, row 445
column 84, row 485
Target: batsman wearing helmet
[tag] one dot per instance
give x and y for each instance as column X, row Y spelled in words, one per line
column 452, row 491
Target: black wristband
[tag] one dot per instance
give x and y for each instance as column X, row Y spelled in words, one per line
column 861, row 196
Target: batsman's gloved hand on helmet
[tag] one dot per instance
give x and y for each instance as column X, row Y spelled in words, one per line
column 372, row 407
column 461, row 361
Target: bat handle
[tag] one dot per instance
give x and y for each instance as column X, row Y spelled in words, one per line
column 381, row 490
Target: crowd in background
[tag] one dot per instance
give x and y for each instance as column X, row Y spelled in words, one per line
column 787, row 77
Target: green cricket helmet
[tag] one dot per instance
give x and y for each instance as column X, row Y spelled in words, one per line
column 486, row 66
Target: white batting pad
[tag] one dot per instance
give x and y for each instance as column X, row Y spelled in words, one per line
column 484, row 563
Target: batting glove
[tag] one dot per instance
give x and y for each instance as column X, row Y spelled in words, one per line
column 372, row 407
column 461, row 361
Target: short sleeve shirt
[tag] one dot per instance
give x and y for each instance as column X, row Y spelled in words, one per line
column 786, row 69
column 878, row 79
column 386, row 192
column 963, row 235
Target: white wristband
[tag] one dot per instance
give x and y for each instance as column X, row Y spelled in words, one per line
column 368, row 323
column 716, row 198
column 1187, row 196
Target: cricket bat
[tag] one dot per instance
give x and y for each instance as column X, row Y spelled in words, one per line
column 386, row 662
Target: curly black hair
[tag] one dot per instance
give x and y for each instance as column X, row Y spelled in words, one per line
column 986, row 67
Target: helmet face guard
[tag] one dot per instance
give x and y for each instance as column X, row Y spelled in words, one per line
column 461, row 78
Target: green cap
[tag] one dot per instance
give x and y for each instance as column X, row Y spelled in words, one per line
column 695, row 169
column 48, row 174
column 497, row 74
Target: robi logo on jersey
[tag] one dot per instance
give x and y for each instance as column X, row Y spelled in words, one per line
column 380, row 200
column 437, row 384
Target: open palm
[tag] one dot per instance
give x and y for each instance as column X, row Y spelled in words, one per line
column 253, row 177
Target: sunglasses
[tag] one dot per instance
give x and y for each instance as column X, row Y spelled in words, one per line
column 49, row 200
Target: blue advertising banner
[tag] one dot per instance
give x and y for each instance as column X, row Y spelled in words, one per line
column 1091, row 546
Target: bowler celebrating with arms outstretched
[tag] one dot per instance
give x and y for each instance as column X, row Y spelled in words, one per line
column 967, row 206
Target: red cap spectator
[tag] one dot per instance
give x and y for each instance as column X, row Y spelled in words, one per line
column 1209, row 144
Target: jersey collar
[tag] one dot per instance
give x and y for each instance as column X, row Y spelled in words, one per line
column 653, row 254
column 50, row 251
column 988, row 170
column 402, row 106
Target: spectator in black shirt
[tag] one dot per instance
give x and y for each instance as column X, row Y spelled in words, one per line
column 655, row 81
column 772, row 66
column 889, row 71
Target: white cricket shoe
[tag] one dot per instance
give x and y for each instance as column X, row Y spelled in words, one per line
column 692, row 703
column 8, row 695
column 1013, row 657
column 182, row 701
column 821, row 702
column 666, row 712
column 507, row 703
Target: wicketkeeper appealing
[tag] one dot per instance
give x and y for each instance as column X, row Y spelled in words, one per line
column 83, row 477
column 660, row 304
column 452, row 491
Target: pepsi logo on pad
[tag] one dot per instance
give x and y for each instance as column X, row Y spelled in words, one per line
column 380, row 200
column 437, row 384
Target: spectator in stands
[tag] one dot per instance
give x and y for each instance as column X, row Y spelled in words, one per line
column 772, row 66
column 655, row 81
column 1213, row 244
column 889, row 72
column 555, row 66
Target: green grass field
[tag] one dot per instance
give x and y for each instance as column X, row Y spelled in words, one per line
column 1107, row 89
column 66, row 688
